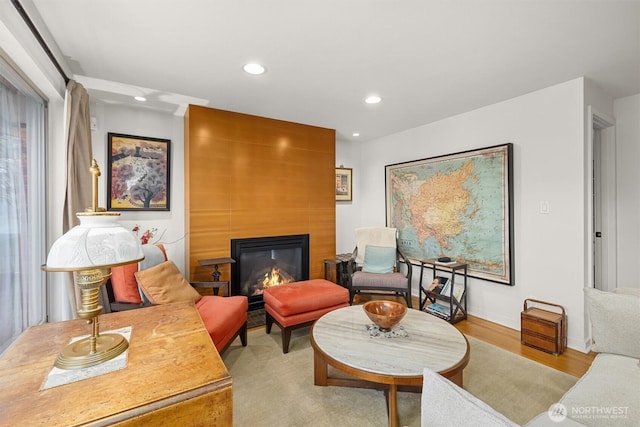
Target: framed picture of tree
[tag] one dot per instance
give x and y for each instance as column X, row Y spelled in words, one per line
column 138, row 173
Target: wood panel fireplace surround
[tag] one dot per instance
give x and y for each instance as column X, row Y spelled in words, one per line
column 249, row 176
column 263, row 262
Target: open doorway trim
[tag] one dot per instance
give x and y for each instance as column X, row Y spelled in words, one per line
column 598, row 122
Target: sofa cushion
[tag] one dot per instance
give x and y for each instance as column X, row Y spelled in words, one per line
column 445, row 404
column 375, row 280
column 222, row 317
column 164, row 283
column 608, row 394
column 544, row 419
column 628, row 291
column 614, row 320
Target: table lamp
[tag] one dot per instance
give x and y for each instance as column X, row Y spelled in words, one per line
column 89, row 250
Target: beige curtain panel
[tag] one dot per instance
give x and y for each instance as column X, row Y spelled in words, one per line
column 78, row 195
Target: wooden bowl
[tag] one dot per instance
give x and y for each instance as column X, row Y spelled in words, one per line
column 385, row 314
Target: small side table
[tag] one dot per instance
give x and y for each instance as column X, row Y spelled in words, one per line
column 335, row 270
column 457, row 307
column 216, row 284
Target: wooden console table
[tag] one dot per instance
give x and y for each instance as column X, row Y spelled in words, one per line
column 174, row 375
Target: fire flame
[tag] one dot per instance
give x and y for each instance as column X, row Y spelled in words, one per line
column 273, row 278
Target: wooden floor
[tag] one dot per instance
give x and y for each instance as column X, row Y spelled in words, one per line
column 571, row 361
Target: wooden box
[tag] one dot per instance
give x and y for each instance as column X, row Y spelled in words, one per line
column 543, row 329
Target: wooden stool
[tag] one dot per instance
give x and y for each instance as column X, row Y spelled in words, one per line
column 299, row 304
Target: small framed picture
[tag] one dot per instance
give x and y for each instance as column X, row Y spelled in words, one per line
column 344, row 184
column 138, row 175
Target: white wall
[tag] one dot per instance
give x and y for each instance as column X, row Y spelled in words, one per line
column 627, row 115
column 547, row 130
column 348, row 213
column 145, row 122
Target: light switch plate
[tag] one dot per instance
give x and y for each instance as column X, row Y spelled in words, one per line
column 544, row 207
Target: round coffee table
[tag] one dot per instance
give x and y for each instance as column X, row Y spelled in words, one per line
column 341, row 339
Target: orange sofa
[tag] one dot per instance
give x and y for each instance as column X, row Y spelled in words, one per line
column 157, row 280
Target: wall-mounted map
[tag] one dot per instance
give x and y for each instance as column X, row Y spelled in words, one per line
column 460, row 206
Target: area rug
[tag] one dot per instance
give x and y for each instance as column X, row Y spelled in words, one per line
column 275, row 389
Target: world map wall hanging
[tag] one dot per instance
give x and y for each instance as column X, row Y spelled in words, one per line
column 458, row 205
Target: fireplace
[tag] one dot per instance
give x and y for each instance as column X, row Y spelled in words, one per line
column 262, row 262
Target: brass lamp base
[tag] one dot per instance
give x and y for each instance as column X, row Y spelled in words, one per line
column 96, row 348
column 79, row 354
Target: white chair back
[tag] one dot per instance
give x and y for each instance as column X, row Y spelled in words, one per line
column 375, row 236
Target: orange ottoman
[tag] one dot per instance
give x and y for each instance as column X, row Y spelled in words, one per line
column 299, row 304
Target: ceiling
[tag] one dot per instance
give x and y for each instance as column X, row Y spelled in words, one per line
column 427, row 59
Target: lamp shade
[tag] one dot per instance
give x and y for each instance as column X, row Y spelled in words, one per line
column 99, row 241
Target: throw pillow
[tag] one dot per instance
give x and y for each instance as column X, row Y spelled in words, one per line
column 123, row 282
column 153, row 255
column 445, row 404
column 164, row 284
column 379, row 259
column 124, row 285
column 614, row 322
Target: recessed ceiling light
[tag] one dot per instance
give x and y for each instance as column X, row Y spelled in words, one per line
column 253, row 68
column 373, row 99
column 140, row 98
column 355, row 134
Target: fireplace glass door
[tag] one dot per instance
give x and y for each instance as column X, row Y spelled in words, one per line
column 265, row 262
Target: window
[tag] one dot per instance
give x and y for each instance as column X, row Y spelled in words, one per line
column 22, row 205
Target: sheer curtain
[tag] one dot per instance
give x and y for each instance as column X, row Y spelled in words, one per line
column 22, row 198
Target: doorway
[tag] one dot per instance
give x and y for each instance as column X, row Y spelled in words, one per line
column 602, row 230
